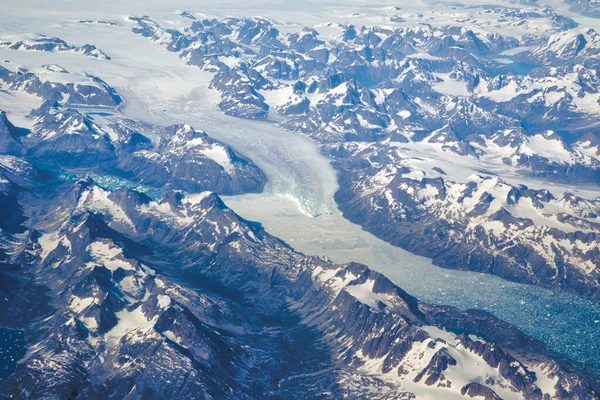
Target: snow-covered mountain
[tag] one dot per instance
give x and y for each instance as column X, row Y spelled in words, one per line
column 54, row 84
column 178, row 157
column 51, row 44
column 585, row 7
column 372, row 94
column 568, row 46
column 465, row 133
column 483, row 224
column 131, row 310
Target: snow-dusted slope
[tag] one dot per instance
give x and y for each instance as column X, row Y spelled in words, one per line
column 138, row 313
column 55, row 84
column 51, row 44
column 568, row 46
column 447, row 90
column 63, row 135
column 419, row 106
column 482, row 224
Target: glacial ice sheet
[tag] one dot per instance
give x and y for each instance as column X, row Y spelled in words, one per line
column 568, row 324
column 158, row 88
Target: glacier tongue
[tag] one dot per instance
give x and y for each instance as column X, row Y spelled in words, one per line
column 159, row 88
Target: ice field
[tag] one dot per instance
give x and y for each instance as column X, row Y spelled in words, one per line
column 297, row 204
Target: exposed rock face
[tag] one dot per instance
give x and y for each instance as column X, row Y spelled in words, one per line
column 68, row 138
column 566, row 47
column 138, row 311
column 184, row 158
column 484, row 224
column 95, row 92
column 10, row 137
column 436, row 367
column 475, row 389
column 52, row 44
column 240, row 99
column 373, row 94
column 189, row 160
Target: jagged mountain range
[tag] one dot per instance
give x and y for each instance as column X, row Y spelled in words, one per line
column 164, row 292
column 64, row 136
column 376, row 95
column 52, row 44
column 58, row 85
column 484, row 224
column 142, row 298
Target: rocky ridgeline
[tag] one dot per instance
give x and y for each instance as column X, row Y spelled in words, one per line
column 483, row 224
column 151, row 298
column 53, row 44
column 371, row 94
column 69, row 140
column 93, row 93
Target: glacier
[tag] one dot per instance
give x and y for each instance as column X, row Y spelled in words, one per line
column 297, row 204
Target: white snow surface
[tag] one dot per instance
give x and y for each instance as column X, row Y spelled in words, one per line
column 133, row 323
column 160, row 88
column 109, row 255
column 365, row 294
